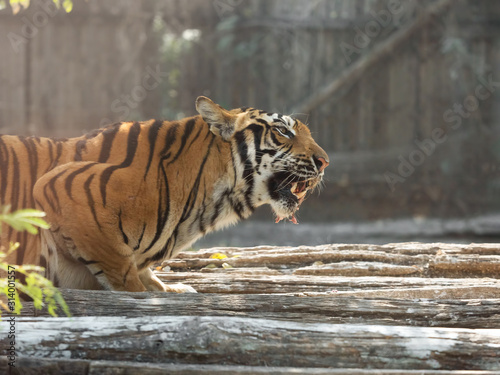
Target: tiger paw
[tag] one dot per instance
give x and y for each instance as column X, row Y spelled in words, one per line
column 179, row 288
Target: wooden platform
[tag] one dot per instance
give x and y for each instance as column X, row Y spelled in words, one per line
column 405, row 308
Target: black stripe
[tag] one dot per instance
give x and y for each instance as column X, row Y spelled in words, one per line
column 69, row 180
column 161, row 254
column 50, row 185
column 140, row 237
column 188, row 129
column 4, row 170
column 86, row 262
column 79, row 148
column 99, row 273
column 23, row 237
column 262, row 121
column 152, row 136
column 195, row 137
column 237, row 206
column 275, row 140
column 126, row 273
column 107, row 142
column 188, row 207
column 32, row 152
column 59, row 149
column 90, row 198
column 43, row 262
column 15, row 182
column 120, row 226
column 94, row 133
column 248, row 168
column 55, row 281
column 217, row 209
column 201, row 213
column 15, row 189
column 169, row 140
column 163, row 210
column 132, row 143
column 51, row 155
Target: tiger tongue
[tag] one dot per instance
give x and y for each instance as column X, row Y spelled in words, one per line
column 293, row 219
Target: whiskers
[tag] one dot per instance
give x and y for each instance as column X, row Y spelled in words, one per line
column 294, row 115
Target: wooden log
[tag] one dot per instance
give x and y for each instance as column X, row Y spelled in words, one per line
column 255, row 342
column 359, row 269
column 231, row 281
column 297, row 257
column 334, row 308
column 408, row 259
column 37, row 366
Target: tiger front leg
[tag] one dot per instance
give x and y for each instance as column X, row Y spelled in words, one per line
column 152, row 282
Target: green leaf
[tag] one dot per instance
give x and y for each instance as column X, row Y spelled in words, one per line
column 29, row 212
column 24, row 220
column 18, row 5
column 67, row 5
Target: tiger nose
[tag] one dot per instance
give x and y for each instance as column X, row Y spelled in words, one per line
column 321, row 162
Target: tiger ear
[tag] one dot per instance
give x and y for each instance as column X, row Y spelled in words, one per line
column 221, row 122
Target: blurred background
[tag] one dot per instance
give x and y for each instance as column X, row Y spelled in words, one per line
column 403, row 94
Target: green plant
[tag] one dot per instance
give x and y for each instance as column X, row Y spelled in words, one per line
column 18, row 5
column 37, row 287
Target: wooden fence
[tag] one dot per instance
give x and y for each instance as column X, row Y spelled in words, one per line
column 64, row 74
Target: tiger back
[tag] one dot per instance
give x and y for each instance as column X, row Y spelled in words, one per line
column 123, row 198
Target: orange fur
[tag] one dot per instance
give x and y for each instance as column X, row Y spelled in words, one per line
column 125, row 197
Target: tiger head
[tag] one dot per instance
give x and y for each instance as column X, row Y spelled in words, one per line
column 278, row 160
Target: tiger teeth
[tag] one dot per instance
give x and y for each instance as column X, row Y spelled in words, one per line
column 294, row 186
column 300, row 195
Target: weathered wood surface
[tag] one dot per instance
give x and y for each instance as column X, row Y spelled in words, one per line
column 37, row 366
column 237, row 283
column 256, row 342
column 430, row 260
column 398, row 307
column 335, row 309
column 407, row 270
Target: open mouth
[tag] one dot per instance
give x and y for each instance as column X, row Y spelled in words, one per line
column 290, row 191
column 300, row 188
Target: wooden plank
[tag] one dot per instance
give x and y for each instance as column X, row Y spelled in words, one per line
column 36, row 366
column 256, row 342
column 333, row 308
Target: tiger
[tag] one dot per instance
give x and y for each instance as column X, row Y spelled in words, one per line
column 125, row 197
